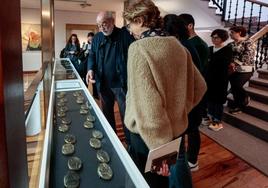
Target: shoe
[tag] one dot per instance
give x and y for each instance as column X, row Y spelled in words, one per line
column 215, row 126
column 205, row 121
column 193, row 167
column 235, row 111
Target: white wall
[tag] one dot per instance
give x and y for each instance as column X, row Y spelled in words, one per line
column 71, row 17
column 203, row 18
column 62, row 18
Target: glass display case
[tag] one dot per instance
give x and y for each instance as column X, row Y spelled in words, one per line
column 76, row 127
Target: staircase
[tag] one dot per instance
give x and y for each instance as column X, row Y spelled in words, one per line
column 254, row 119
column 246, row 134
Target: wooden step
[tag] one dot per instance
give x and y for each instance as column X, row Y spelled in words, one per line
column 257, row 94
column 247, row 123
column 259, row 83
column 254, row 108
column 263, row 73
column 251, row 149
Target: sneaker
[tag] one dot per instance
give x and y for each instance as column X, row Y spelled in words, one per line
column 215, row 126
column 193, row 167
column 205, row 121
column 235, row 111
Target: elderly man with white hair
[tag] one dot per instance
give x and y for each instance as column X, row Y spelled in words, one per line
column 107, row 66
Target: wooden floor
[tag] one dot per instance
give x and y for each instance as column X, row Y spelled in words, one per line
column 218, row 168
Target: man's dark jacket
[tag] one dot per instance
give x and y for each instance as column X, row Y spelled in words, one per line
column 121, row 39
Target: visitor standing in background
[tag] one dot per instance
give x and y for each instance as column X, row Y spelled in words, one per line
column 241, row 68
column 217, row 77
column 200, row 111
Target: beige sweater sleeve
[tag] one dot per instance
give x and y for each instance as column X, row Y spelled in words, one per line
column 145, row 109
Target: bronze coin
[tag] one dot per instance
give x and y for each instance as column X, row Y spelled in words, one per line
column 66, row 120
column 69, row 139
column 63, row 128
column 67, row 149
column 61, row 114
column 83, row 112
column 78, row 101
column 80, row 97
column 84, row 107
column 97, row 134
column 63, row 100
column 74, row 163
column 61, row 95
column 88, row 124
column 77, row 93
column 95, row 143
column 60, row 104
column 105, row 171
column 103, row 156
column 91, row 118
column 71, row 180
column 63, row 109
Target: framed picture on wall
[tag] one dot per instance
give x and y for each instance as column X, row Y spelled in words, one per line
column 31, row 37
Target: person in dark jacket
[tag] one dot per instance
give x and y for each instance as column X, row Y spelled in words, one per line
column 107, row 66
column 217, row 77
column 177, row 27
column 72, row 48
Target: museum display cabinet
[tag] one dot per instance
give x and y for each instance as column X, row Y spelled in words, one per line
column 80, row 147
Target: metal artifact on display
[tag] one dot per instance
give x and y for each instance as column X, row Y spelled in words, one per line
column 91, row 118
column 71, row 180
column 69, row 139
column 97, row 134
column 67, row 149
column 63, row 109
column 66, row 120
column 88, row 124
column 103, row 156
column 83, row 111
column 105, row 171
column 95, row 143
column 63, row 128
column 74, row 163
column 61, row 114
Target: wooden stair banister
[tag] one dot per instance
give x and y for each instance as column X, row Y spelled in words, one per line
column 258, row 2
column 259, row 34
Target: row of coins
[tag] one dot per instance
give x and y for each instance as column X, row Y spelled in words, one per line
column 104, row 170
column 72, row 178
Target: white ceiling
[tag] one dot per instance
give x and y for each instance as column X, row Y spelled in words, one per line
column 74, row 5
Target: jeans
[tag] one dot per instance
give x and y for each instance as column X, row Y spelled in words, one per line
column 108, row 97
column 237, row 81
column 180, row 175
column 215, row 110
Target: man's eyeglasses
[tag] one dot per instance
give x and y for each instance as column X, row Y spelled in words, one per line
column 103, row 24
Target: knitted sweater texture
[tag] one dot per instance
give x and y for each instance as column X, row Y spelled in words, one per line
column 163, row 86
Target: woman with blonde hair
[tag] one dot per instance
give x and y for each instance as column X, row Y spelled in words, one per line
column 163, row 86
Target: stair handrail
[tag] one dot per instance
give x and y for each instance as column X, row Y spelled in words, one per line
column 260, row 33
column 217, row 4
column 258, row 2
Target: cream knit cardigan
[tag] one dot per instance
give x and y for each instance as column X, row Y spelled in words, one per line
column 163, row 87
